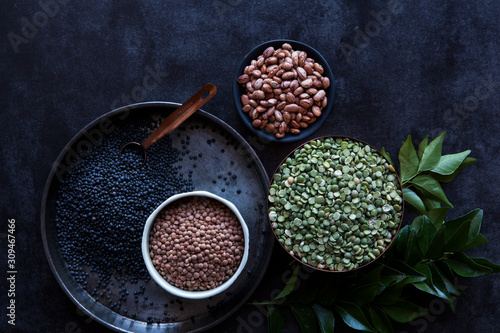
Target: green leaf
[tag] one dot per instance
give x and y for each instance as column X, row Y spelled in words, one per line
column 452, row 226
column 417, row 222
column 426, row 235
column 413, row 253
column 449, row 279
column 462, row 231
column 459, row 240
column 476, row 217
column 486, row 263
column 402, row 241
column 421, row 147
column 353, row 316
column 325, row 317
column 390, row 275
column 441, row 287
column 290, row 285
column 275, row 320
column 373, row 275
column 446, row 179
column 380, row 321
column 423, row 269
column 414, row 200
column 386, row 155
column 403, row 311
column 305, row 316
column 365, row 293
column 425, row 286
column 328, row 293
column 436, row 249
column 432, row 154
column 431, row 188
column 437, row 215
column 408, row 160
column 430, row 204
column 479, row 240
column 412, row 275
column 461, row 264
column 391, row 294
column 448, row 164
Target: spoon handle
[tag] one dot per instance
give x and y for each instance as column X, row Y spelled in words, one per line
column 181, row 114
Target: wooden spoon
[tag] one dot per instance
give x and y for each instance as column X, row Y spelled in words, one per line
column 174, row 120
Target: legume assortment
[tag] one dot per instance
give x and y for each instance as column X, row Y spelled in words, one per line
column 196, row 243
column 284, row 90
column 99, row 208
column 335, row 203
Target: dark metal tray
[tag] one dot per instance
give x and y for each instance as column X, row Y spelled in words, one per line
column 227, row 151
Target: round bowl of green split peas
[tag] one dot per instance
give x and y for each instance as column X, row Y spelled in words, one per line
column 335, row 204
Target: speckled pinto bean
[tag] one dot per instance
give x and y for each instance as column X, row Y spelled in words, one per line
column 196, row 243
column 283, row 79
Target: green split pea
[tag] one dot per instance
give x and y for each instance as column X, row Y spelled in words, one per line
column 335, row 203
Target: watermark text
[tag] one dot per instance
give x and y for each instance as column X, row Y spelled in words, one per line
column 11, row 272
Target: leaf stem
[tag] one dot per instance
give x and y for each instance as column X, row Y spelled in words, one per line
column 409, row 179
column 443, row 257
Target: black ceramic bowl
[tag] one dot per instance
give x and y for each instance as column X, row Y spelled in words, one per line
column 238, row 89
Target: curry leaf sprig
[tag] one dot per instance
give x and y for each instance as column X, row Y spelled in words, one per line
column 422, row 171
column 427, row 258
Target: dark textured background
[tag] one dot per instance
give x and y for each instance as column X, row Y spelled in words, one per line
column 418, row 73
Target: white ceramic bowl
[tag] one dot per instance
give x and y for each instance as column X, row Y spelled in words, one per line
column 156, row 275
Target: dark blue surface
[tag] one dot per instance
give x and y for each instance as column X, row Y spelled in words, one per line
column 401, row 68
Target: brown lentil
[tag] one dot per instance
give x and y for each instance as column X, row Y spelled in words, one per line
column 196, row 243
